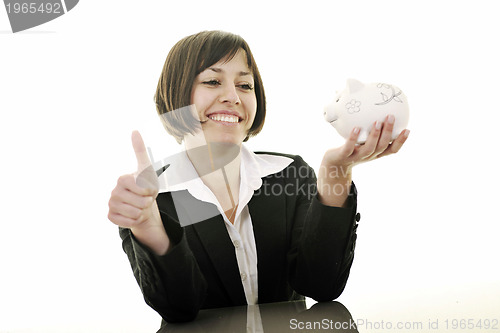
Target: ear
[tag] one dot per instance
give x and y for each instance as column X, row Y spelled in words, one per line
column 354, row 85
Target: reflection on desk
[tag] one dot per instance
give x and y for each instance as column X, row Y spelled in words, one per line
column 270, row 317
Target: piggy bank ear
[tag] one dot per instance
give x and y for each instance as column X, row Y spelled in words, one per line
column 354, row 85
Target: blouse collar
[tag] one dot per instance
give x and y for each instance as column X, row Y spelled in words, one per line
column 181, row 175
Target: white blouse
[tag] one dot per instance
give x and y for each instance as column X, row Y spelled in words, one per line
column 181, row 175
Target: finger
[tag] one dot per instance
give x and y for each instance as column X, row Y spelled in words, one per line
column 130, row 198
column 371, row 142
column 396, row 145
column 125, row 210
column 146, row 176
column 140, row 151
column 350, row 144
column 386, row 135
column 128, row 183
column 122, row 221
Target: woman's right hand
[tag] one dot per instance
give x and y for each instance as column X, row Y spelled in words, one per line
column 133, row 205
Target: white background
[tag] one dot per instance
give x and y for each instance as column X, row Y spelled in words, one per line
column 73, row 89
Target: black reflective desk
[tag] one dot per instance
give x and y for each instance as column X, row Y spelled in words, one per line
column 271, row 317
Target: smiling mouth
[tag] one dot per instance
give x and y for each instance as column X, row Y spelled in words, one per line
column 225, row 118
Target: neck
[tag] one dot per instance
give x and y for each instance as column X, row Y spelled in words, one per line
column 218, row 165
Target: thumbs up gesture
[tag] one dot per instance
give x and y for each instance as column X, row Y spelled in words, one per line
column 133, row 202
column 145, row 176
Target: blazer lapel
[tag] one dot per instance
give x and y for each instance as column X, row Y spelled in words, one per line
column 217, row 243
column 269, row 225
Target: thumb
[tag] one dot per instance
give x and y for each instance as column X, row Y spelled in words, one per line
column 140, row 151
column 145, row 177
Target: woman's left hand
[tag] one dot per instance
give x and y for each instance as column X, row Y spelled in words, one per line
column 378, row 144
column 335, row 173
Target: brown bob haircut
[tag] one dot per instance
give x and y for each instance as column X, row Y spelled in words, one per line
column 188, row 58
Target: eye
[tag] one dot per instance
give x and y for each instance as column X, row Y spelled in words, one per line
column 212, row 83
column 246, row 86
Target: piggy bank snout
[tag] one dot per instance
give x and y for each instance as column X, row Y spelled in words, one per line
column 330, row 114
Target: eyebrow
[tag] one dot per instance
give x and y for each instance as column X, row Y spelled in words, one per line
column 220, row 70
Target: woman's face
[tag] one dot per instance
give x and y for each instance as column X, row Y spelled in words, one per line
column 225, row 100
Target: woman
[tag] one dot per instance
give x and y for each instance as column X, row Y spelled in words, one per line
column 277, row 233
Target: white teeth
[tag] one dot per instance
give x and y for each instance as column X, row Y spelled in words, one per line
column 224, row 118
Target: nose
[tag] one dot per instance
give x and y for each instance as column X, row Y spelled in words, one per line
column 229, row 94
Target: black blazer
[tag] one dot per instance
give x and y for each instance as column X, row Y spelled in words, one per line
column 304, row 248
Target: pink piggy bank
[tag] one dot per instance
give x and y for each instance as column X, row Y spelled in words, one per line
column 361, row 105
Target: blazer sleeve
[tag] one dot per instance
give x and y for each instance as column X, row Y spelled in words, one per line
column 322, row 243
column 172, row 284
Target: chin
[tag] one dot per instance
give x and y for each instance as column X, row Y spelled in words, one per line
column 224, row 137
